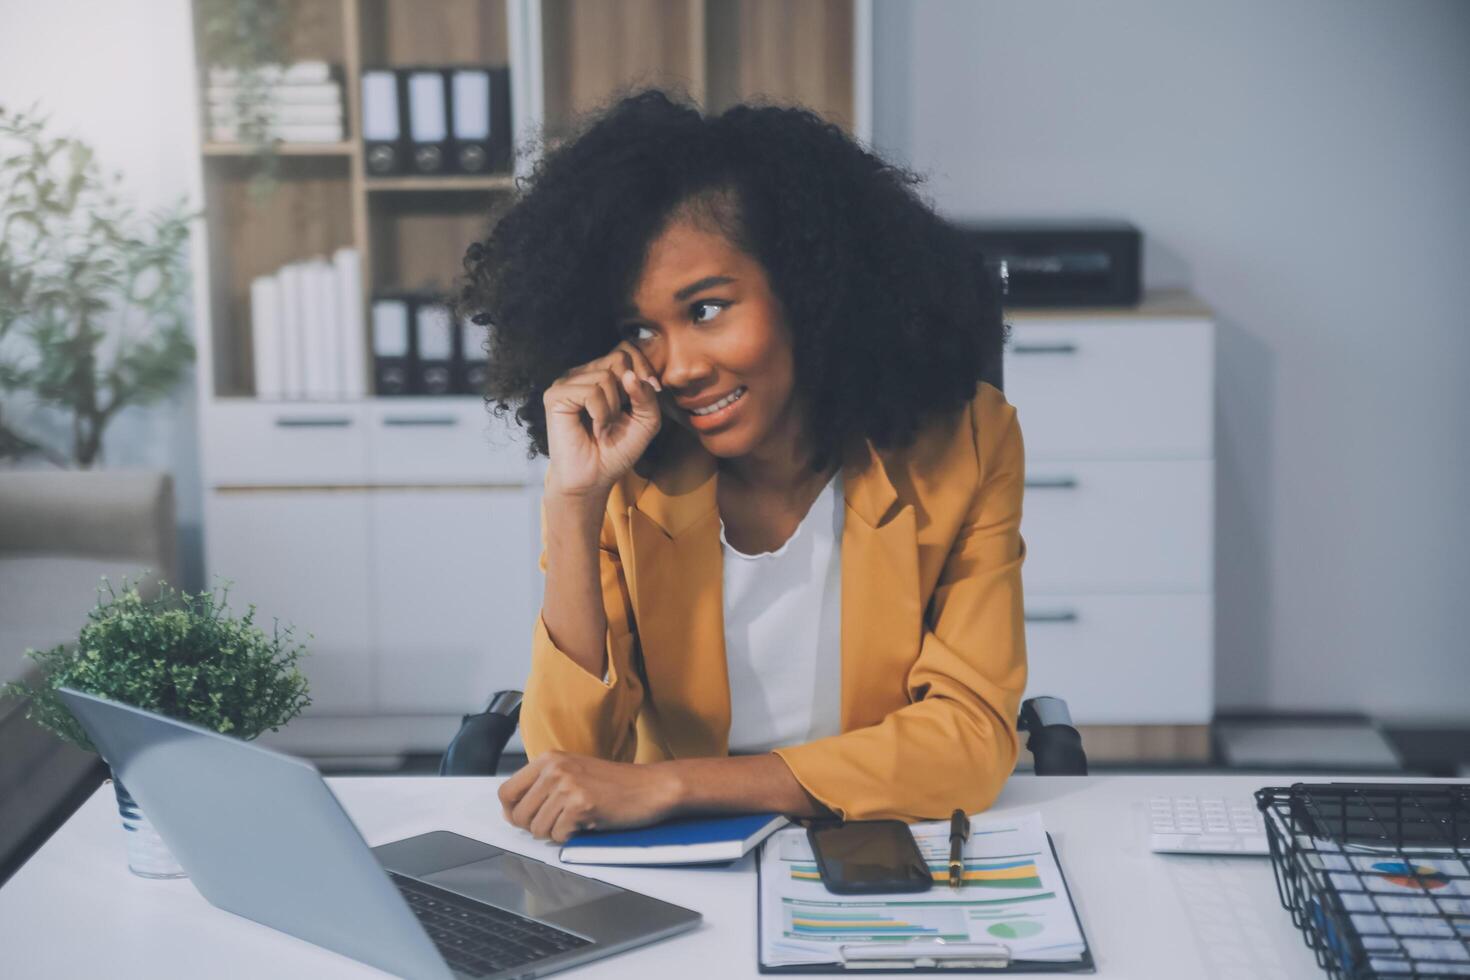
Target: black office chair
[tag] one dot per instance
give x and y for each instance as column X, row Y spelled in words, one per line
column 1053, row 743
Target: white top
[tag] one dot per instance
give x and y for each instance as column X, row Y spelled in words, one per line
column 783, row 633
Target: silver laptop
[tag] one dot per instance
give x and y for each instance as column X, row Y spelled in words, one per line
column 262, row 836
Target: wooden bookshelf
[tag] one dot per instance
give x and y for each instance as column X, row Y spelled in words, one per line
column 491, row 182
column 310, row 209
column 566, row 58
column 718, row 51
column 790, row 52
column 282, row 149
column 402, row 532
column 591, row 49
column 418, row 238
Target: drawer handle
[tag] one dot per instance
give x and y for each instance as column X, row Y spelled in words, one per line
column 312, row 423
column 1060, row 616
column 1052, row 483
column 438, row 420
column 1064, row 348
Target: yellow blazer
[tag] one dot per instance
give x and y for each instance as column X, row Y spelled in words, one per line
column 933, row 650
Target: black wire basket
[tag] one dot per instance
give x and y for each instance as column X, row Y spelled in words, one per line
column 1376, row 875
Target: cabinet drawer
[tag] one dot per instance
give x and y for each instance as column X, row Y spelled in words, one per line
column 251, row 444
column 1096, row 526
column 442, row 440
column 1124, row 659
column 1089, row 390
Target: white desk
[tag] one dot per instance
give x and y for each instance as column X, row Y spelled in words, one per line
column 75, row 910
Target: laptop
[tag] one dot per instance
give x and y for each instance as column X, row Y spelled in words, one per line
column 262, row 836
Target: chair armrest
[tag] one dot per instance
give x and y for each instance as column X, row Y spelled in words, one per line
column 1055, row 746
column 476, row 748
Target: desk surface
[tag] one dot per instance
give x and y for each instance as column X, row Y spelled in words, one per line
column 75, row 910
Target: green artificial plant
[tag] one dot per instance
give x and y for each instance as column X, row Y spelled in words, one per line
column 93, row 297
column 179, row 654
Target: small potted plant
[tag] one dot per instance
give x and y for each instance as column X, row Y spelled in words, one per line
column 178, row 654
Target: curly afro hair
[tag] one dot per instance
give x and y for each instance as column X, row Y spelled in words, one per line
column 891, row 315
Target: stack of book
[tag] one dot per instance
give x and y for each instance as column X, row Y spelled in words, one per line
column 299, row 103
column 307, row 330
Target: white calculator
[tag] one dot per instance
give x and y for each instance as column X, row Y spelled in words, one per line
column 1206, row 825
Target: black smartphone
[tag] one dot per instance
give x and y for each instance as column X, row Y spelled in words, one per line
column 866, row 857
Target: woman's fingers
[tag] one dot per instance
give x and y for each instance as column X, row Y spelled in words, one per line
column 564, row 826
column 565, row 810
column 513, row 789
column 624, row 357
column 624, row 417
column 566, row 397
column 532, row 801
column 641, row 366
column 595, row 401
column 546, row 817
column 600, row 394
column 642, row 398
column 613, row 391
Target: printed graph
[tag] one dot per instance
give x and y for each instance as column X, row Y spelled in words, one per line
column 1016, row 929
column 992, row 874
column 874, row 922
column 1418, row 877
column 1015, row 873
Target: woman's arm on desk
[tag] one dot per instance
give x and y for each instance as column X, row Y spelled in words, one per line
column 558, row 793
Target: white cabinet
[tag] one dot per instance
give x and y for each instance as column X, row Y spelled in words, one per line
column 1119, row 526
column 1113, row 387
column 1123, row 659
column 303, row 557
column 443, row 441
column 453, row 572
column 1116, row 409
column 273, row 444
column 403, row 535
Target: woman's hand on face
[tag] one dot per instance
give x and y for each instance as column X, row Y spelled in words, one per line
column 558, row 794
column 600, row 417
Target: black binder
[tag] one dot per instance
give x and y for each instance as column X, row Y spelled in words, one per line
column 433, row 344
column 479, row 114
column 385, row 147
column 502, row 138
column 1083, row 965
column 424, row 92
column 392, row 333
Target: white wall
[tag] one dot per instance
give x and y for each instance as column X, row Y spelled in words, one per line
column 117, row 76
column 1304, row 167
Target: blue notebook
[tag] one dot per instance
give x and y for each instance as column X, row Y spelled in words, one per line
column 690, row 840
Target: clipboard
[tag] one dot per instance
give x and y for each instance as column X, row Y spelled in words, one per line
column 932, row 956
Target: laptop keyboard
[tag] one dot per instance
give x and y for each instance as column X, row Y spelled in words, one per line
column 480, row 939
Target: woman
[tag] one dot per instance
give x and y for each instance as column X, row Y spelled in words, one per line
column 781, row 515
